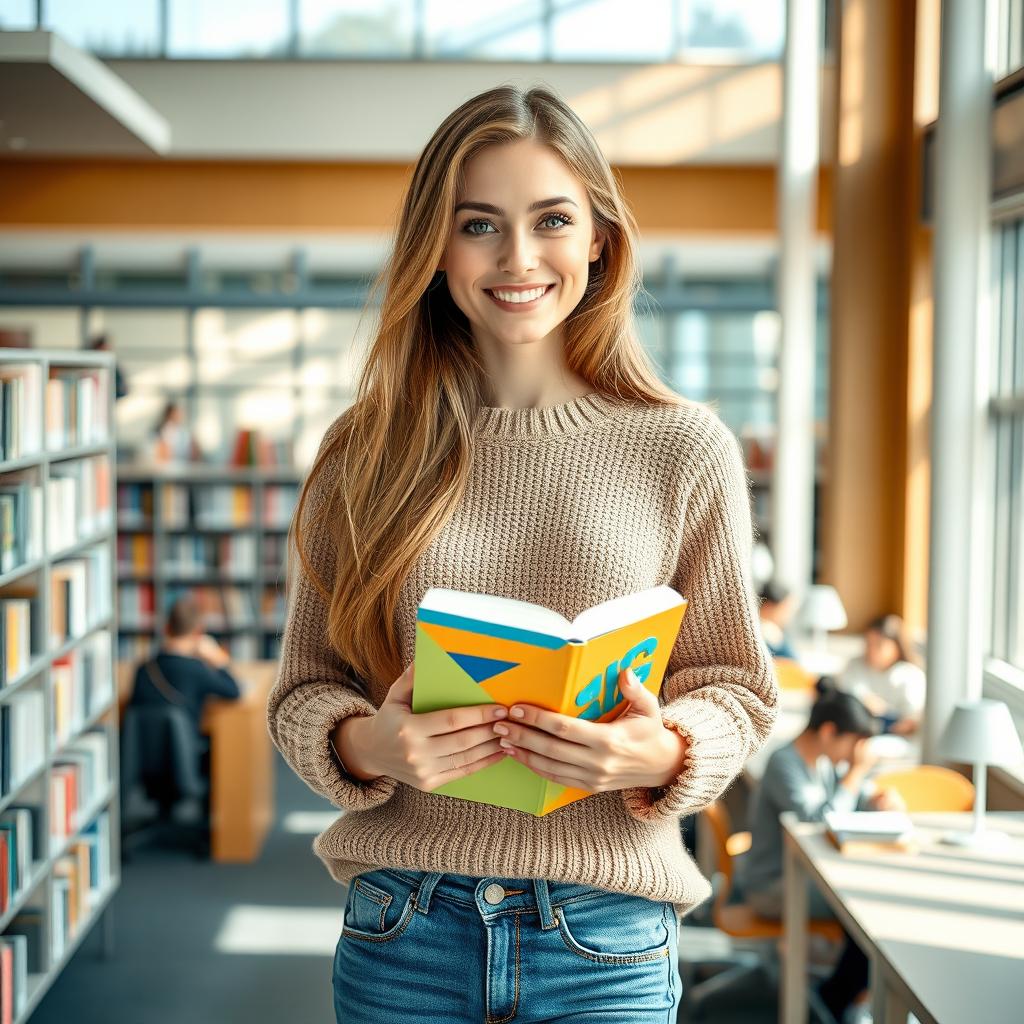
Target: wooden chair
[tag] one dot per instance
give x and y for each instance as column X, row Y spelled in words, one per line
column 791, row 675
column 740, row 921
column 930, row 787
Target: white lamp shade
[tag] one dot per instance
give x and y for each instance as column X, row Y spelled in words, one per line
column 822, row 608
column 981, row 731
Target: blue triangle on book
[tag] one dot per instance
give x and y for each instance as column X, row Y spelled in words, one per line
column 479, row 669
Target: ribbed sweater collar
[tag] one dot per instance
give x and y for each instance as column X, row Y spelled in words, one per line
column 566, row 419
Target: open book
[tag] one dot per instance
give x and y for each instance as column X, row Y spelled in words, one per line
column 481, row 649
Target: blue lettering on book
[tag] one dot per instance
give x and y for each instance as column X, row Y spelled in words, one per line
column 602, row 693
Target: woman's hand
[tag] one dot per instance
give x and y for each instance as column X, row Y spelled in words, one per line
column 211, row 652
column 429, row 749
column 636, row 749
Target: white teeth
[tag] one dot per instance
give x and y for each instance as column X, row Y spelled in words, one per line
column 533, row 293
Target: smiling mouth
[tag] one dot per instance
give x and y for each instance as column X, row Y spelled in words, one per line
column 516, row 304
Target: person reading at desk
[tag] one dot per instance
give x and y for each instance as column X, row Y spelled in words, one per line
column 189, row 667
column 803, row 776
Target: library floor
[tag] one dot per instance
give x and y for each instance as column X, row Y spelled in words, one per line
column 208, row 943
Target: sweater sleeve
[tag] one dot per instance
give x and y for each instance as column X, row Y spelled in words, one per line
column 719, row 689
column 315, row 689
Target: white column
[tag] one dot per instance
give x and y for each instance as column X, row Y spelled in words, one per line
column 793, row 483
column 961, row 338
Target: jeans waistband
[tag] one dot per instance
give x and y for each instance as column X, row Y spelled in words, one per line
column 514, row 894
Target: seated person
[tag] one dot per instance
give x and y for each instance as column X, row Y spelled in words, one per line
column 776, row 611
column 189, row 667
column 802, row 776
column 887, row 678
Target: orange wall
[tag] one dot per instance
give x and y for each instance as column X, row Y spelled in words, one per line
column 150, row 195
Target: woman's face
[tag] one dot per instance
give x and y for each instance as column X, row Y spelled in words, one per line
column 499, row 241
column 880, row 651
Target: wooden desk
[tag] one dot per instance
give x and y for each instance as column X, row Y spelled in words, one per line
column 241, row 761
column 943, row 927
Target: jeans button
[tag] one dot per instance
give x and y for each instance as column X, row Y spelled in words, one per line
column 494, row 894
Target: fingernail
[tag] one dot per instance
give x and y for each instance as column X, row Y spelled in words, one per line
column 500, row 712
column 518, row 712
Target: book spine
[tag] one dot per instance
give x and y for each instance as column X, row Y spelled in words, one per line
column 569, row 674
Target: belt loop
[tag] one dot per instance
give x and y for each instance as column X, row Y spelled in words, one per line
column 426, row 889
column 547, row 917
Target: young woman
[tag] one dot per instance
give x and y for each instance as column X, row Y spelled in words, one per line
column 887, row 678
column 510, row 437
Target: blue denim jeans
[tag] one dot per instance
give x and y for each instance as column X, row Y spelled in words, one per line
column 426, row 947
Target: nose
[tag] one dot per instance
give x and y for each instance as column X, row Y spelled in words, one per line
column 518, row 253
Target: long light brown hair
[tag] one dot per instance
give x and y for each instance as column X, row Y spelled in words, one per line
column 402, row 449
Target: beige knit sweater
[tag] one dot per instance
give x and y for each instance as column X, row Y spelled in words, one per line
column 566, row 506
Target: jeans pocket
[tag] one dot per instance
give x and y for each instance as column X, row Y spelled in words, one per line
column 615, row 928
column 379, row 907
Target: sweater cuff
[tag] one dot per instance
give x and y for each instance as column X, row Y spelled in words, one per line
column 715, row 756
column 308, row 716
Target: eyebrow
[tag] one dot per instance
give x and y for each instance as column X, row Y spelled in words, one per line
column 498, row 212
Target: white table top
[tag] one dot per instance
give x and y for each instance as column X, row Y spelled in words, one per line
column 947, row 922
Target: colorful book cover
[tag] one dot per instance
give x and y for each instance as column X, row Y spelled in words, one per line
column 476, row 649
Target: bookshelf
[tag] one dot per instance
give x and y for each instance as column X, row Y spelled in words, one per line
column 217, row 530
column 59, row 793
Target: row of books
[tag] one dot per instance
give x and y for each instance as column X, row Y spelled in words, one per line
column 135, row 505
column 204, row 505
column 255, row 449
column 135, row 554
column 77, row 404
column 83, row 684
column 77, row 501
column 21, row 521
column 79, row 776
column 22, row 737
column 223, row 505
column 20, row 420
column 80, row 593
column 194, row 556
column 223, row 607
column 205, row 555
column 279, row 505
column 78, row 878
column 15, row 637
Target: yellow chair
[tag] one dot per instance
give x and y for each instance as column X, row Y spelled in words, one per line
column 930, row 787
column 739, row 921
column 791, row 675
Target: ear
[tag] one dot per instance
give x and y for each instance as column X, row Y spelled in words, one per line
column 597, row 245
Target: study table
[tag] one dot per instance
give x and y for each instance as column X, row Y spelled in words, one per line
column 241, row 760
column 943, row 926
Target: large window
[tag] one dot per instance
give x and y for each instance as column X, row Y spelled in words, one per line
column 527, row 30
column 1006, row 457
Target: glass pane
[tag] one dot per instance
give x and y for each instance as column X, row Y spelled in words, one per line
column 364, row 27
column 17, row 14
column 228, row 28
column 334, row 348
column 123, row 28
column 611, row 30
column 508, row 29
column 744, row 27
column 237, row 348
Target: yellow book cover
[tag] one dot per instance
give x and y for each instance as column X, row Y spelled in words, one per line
column 482, row 649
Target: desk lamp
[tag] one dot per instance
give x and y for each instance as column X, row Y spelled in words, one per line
column 980, row 733
column 822, row 611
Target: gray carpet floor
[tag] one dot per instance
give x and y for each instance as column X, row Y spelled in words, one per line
column 201, row 943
